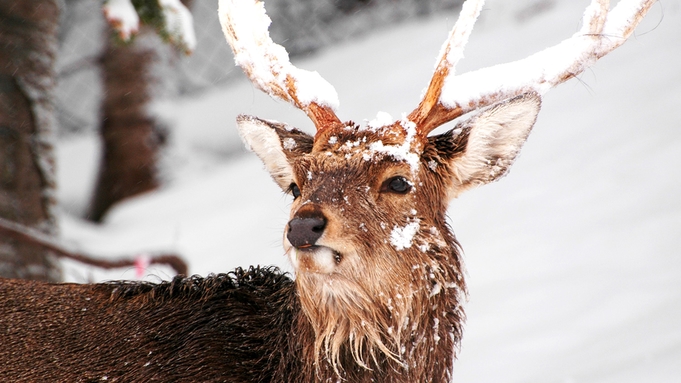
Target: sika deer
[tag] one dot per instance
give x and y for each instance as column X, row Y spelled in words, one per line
column 379, row 281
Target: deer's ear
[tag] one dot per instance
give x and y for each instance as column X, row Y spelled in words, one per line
column 483, row 148
column 276, row 144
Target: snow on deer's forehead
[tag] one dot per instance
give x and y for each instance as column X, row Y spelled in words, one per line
column 380, row 138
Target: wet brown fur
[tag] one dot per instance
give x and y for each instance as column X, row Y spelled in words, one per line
column 239, row 327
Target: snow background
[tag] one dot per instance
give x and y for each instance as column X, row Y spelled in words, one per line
column 573, row 260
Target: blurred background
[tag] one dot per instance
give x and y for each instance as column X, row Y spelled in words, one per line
column 573, row 260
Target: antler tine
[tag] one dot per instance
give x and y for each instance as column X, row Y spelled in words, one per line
column 601, row 33
column 450, row 54
column 245, row 25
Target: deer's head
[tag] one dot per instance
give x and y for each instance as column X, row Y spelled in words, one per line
column 367, row 234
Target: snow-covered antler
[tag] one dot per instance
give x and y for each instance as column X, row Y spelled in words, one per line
column 450, row 54
column 449, row 96
column 245, row 24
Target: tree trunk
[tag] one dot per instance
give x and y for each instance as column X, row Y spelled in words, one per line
column 129, row 134
column 28, row 47
column 131, row 137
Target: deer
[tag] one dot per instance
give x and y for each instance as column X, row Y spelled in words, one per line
column 378, row 289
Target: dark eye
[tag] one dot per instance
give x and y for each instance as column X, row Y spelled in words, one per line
column 397, row 184
column 294, row 190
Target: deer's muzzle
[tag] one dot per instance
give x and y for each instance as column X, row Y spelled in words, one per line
column 306, row 227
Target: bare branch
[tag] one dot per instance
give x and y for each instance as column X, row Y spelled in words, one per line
column 26, row 234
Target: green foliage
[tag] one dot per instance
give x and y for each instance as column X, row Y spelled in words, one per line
column 150, row 13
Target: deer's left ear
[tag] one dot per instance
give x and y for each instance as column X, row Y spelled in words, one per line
column 276, row 144
column 483, row 148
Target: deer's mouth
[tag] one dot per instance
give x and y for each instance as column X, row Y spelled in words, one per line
column 315, row 259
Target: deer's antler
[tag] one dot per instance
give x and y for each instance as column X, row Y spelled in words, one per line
column 430, row 108
column 245, row 24
column 449, row 96
column 267, row 65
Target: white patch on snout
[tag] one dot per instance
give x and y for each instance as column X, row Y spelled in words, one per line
column 293, row 257
column 319, row 259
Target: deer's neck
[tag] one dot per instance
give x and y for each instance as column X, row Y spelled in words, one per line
column 406, row 333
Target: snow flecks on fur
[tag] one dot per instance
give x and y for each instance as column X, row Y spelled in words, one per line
column 435, row 290
column 402, row 152
column 436, row 330
column 289, row 143
column 402, row 237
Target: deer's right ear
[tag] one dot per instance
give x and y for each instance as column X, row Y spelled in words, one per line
column 481, row 149
column 276, row 144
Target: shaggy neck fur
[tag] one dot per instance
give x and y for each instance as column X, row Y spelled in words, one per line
column 393, row 333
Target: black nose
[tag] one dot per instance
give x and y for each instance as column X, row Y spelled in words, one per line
column 305, row 231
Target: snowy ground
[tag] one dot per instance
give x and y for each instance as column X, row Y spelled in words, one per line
column 574, row 259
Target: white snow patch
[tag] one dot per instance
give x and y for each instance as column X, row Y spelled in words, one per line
column 458, row 37
column 400, row 152
column 289, row 143
column 179, row 24
column 401, row 237
column 436, row 290
column 382, row 119
column 620, row 17
column 436, row 329
column 123, row 17
column 311, row 87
